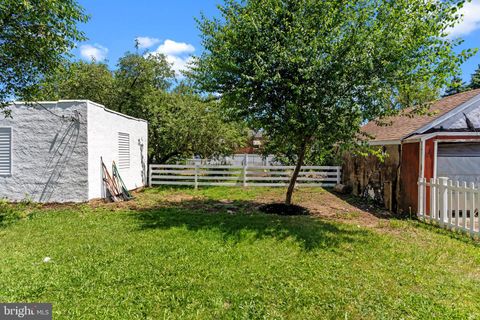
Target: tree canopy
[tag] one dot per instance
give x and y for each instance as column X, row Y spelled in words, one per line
column 182, row 124
column 457, row 85
column 79, row 80
column 475, row 79
column 311, row 72
column 35, row 36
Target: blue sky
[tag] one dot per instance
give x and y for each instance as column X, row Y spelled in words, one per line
column 169, row 27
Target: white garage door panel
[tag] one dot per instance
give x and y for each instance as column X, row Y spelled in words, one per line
column 459, row 161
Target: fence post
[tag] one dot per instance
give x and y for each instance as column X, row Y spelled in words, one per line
column 472, row 209
column 196, row 175
column 338, row 175
column 245, row 168
column 150, row 175
column 443, row 200
column 465, row 205
column 420, row 212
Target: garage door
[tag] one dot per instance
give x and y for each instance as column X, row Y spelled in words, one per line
column 459, row 161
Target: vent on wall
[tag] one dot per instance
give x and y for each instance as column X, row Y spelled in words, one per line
column 5, row 151
column 123, row 150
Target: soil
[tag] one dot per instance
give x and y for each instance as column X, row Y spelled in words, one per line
column 284, row 209
column 316, row 202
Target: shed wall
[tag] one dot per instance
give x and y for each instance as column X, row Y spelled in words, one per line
column 370, row 177
column 49, row 148
column 409, row 173
column 103, row 128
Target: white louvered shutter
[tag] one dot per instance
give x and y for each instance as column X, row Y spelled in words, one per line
column 5, row 151
column 123, row 150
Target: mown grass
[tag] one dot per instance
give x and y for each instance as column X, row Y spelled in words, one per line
column 203, row 257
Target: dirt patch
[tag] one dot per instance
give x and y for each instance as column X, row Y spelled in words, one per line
column 284, row 209
column 318, row 202
column 326, row 204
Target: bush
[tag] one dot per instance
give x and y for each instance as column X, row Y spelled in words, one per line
column 8, row 213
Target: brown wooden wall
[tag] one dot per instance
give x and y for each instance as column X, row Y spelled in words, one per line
column 370, row 177
column 394, row 182
column 409, row 173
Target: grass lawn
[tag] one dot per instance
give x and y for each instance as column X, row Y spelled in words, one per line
column 179, row 253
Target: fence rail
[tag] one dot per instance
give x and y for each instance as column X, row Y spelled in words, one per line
column 251, row 176
column 451, row 204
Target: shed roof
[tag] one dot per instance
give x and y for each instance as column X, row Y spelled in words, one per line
column 46, row 104
column 403, row 126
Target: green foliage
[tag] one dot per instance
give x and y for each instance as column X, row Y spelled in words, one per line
column 475, row 80
column 192, row 259
column 79, row 80
column 35, row 36
column 8, row 214
column 184, row 125
column 11, row 213
column 311, row 72
column 181, row 123
column 457, row 85
column 137, row 78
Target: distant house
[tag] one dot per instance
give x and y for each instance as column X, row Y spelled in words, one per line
column 254, row 145
column 52, row 151
column 444, row 143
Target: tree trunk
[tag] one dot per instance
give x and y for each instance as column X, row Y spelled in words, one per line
column 293, row 180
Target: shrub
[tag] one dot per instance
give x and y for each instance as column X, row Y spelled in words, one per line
column 9, row 213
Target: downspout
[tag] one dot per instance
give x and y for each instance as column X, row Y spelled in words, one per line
column 397, row 182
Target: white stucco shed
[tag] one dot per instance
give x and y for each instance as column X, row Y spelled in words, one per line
column 52, row 151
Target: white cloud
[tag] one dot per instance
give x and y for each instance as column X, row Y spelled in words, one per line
column 178, row 54
column 95, row 51
column 470, row 21
column 179, row 64
column 170, row 47
column 146, row 42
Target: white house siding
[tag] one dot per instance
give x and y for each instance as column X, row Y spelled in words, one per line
column 103, row 128
column 49, row 149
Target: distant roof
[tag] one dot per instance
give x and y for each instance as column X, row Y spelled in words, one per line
column 402, row 125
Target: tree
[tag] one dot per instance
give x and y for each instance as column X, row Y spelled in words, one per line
column 457, row 85
column 184, row 125
column 311, row 72
column 35, row 36
column 181, row 123
column 137, row 77
column 475, row 80
column 80, row 80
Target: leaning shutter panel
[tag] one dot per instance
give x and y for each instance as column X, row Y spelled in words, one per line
column 5, row 151
column 123, row 150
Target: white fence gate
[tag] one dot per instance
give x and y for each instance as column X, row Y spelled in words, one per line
column 453, row 205
column 251, row 176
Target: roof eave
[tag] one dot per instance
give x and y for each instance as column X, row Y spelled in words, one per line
column 384, row 142
column 447, row 115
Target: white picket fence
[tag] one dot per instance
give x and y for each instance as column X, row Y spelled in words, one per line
column 452, row 205
column 251, row 176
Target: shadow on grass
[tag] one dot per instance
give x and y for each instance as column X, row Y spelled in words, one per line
column 241, row 221
column 367, row 205
column 455, row 234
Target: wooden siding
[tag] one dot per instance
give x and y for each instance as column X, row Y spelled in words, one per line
column 409, row 173
column 370, row 177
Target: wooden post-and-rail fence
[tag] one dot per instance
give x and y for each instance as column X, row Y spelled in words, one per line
column 246, row 176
